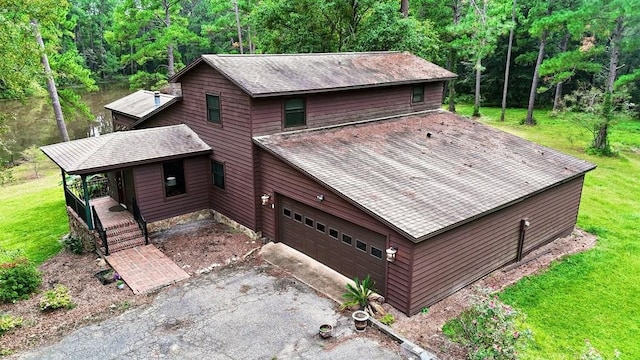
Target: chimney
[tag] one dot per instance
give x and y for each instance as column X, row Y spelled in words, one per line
column 156, row 98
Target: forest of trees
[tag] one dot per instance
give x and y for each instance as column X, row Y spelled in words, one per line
column 578, row 54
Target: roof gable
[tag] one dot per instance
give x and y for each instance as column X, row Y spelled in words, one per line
column 288, row 74
column 125, row 148
column 424, row 174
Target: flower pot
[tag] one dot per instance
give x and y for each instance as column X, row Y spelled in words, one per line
column 326, row 331
column 360, row 320
column 120, row 284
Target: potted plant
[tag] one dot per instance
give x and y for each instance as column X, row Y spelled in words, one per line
column 326, row 331
column 120, row 284
column 360, row 320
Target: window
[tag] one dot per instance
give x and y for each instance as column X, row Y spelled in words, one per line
column 297, row 217
column 294, row 112
column 320, row 227
column 213, row 109
column 361, row 245
column 217, row 173
column 375, row 252
column 173, row 172
column 333, row 233
column 308, row 222
column 417, row 95
column 347, row 239
column 286, row 212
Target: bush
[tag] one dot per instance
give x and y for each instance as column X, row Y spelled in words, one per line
column 8, row 323
column 488, row 330
column 18, row 279
column 73, row 244
column 387, row 319
column 56, row 298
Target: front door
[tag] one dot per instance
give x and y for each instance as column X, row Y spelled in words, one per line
column 122, row 198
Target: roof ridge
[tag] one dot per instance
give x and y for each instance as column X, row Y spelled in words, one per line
column 307, row 54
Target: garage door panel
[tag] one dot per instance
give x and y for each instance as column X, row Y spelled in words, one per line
column 341, row 245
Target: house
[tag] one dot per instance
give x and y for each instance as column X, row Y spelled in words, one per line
column 348, row 158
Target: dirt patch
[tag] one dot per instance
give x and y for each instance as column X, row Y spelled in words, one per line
column 425, row 329
column 198, row 247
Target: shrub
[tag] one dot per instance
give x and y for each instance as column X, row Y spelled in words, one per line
column 8, row 323
column 488, row 330
column 591, row 353
column 73, row 244
column 359, row 292
column 387, row 319
column 18, row 279
column 56, row 298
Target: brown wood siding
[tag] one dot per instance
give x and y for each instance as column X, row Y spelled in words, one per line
column 280, row 178
column 345, row 106
column 149, row 184
column 231, row 142
column 452, row 260
column 120, row 120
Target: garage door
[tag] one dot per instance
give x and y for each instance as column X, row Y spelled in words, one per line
column 345, row 247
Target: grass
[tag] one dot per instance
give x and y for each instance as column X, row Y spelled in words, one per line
column 32, row 212
column 594, row 295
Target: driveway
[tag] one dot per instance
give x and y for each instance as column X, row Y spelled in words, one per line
column 232, row 314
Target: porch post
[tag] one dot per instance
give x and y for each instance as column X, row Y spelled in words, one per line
column 64, row 179
column 87, row 208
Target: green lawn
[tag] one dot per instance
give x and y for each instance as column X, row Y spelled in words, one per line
column 32, row 213
column 594, row 295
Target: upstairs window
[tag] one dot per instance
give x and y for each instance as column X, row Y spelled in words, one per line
column 173, row 178
column 213, row 109
column 417, row 95
column 217, row 173
column 294, row 112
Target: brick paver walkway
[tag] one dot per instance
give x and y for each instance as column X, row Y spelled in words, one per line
column 145, row 268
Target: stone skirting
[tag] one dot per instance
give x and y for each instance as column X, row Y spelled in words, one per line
column 223, row 219
column 79, row 229
column 200, row 215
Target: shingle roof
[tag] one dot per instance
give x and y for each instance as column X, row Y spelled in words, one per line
column 125, row 148
column 141, row 104
column 423, row 174
column 284, row 74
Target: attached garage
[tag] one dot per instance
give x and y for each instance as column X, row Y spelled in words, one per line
column 352, row 250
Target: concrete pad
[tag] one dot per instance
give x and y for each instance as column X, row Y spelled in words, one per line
column 315, row 274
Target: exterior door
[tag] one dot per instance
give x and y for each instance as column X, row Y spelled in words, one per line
column 345, row 247
column 122, row 199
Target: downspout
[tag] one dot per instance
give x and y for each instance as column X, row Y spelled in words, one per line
column 87, row 206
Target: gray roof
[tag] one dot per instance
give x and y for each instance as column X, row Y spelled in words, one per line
column 424, row 174
column 125, row 148
column 285, row 74
column 141, row 104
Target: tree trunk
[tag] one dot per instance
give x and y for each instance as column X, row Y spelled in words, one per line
column 476, row 102
column 534, row 82
column 51, row 84
column 601, row 140
column 508, row 64
column 404, row 7
column 235, row 7
column 171, row 68
column 453, row 58
column 557, row 98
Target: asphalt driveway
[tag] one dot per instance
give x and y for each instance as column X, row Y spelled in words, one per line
column 232, row 314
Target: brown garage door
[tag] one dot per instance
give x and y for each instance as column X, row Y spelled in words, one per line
column 345, row 247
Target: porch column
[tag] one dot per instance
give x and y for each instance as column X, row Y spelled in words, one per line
column 64, row 179
column 87, row 208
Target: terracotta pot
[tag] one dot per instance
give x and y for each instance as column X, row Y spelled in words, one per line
column 326, row 331
column 360, row 320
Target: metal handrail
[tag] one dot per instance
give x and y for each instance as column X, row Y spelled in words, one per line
column 101, row 231
column 142, row 223
column 76, row 204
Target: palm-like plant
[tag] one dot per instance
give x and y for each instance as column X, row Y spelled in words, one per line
column 359, row 292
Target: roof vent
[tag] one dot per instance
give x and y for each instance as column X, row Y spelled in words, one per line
column 156, row 98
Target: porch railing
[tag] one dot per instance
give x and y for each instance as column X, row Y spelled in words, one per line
column 97, row 186
column 142, row 223
column 76, row 204
column 100, row 229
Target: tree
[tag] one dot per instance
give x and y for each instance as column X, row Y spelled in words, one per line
column 481, row 24
column 508, row 63
column 151, row 30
